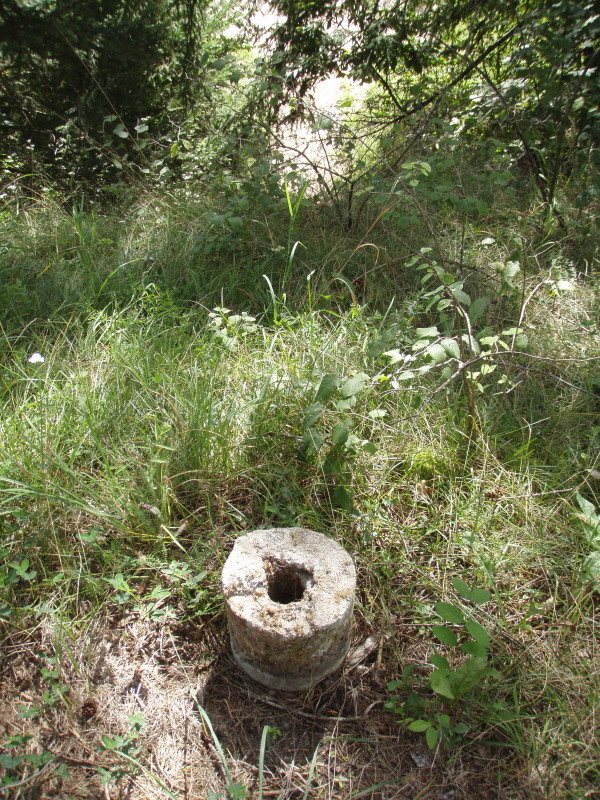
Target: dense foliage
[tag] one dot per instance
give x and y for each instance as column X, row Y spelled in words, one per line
column 526, row 69
column 83, row 81
column 92, row 92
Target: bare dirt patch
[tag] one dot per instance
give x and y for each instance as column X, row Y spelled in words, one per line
column 92, row 686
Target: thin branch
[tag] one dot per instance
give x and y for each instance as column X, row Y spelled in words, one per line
column 385, row 83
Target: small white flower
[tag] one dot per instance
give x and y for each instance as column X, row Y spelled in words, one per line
column 36, row 358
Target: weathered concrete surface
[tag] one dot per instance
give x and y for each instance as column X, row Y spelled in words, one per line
column 289, row 594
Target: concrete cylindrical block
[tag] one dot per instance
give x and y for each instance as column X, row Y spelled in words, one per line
column 289, row 594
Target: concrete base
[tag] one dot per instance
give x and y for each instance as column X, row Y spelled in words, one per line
column 289, row 594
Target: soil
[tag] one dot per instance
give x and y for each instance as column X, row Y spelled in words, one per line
column 126, row 666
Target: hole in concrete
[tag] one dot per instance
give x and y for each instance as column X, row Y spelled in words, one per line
column 285, row 582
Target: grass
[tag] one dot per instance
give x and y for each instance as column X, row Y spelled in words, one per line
column 150, row 437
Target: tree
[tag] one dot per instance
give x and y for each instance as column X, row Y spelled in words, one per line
column 69, row 66
column 374, row 40
column 526, row 69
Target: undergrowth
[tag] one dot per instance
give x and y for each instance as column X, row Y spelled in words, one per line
column 433, row 406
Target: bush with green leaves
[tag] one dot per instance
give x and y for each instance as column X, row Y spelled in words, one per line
column 588, row 521
column 337, row 447
column 95, row 92
column 450, row 680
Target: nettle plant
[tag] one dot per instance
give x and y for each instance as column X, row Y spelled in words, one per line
column 450, row 680
column 230, row 328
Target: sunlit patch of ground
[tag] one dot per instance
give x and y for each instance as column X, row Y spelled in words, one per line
column 95, row 688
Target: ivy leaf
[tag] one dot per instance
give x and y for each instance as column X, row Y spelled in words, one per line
column 445, row 635
column 327, row 387
column 311, row 415
column 450, row 613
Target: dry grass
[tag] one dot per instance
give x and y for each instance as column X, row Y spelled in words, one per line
column 124, row 665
